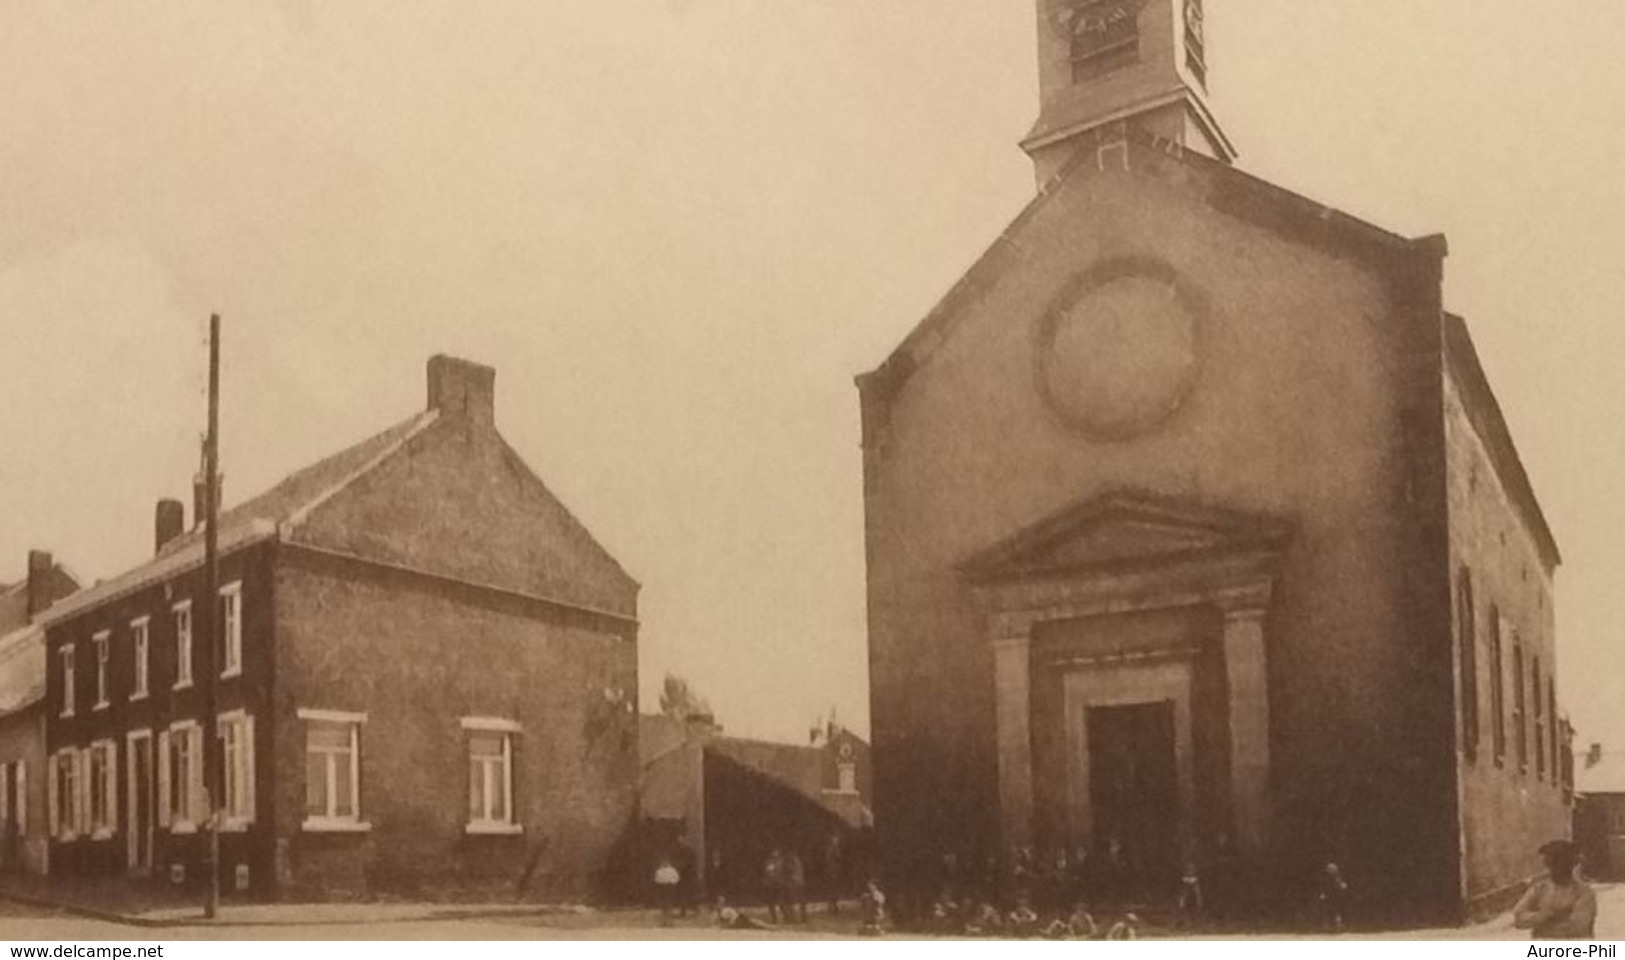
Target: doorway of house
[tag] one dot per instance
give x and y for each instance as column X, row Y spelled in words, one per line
column 140, row 804
column 1134, row 793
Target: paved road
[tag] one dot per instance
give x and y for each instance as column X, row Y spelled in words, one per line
column 31, row 924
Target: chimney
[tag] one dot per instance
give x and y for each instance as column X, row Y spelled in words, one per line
column 41, row 571
column 1593, row 755
column 200, row 509
column 462, row 388
column 168, row 522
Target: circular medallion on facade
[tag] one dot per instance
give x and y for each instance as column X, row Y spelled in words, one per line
column 1119, row 350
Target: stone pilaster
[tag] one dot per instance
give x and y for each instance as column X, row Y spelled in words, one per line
column 1013, row 689
column 1247, row 681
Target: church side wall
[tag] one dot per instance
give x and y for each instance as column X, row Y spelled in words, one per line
column 1508, row 808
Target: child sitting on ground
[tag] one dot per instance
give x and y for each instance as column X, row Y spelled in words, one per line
column 1079, row 926
column 985, row 921
column 1127, row 928
column 945, row 914
column 1023, row 920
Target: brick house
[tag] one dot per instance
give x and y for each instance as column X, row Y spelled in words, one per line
column 23, row 841
column 428, row 681
column 1194, row 529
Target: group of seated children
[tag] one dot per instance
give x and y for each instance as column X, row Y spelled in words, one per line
column 981, row 918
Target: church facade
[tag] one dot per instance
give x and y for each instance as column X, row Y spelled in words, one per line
column 1194, row 531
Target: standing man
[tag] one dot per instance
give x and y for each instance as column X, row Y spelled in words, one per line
column 1558, row 906
column 796, row 877
column 834, row 872
column 775, row 877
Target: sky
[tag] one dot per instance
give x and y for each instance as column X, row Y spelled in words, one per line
column 678, row 229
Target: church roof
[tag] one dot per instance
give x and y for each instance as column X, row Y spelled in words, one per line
column 1485, row 413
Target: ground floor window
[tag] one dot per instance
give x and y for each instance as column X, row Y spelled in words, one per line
column 65, row 800
column 14, row 798
column 332, row 770
column 490, row 774
column 180, row 776
column 237, row 753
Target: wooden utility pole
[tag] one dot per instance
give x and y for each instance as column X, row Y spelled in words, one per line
column 214, row 631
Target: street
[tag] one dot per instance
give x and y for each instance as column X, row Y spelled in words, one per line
column 38, row 924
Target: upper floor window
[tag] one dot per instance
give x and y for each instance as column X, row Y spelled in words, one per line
column 490, row 775
column 183, row 644
column 231, row 615
column 333, row 770
column 103, row 643
column 140, row 649
column 68, row 679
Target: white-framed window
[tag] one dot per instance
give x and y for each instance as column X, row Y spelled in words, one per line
column 490, row 774
column 231, row 614
column 69, row 679
column 183, row 644
column 236, row 730
column 64, row 797
column 102, row 642
column 180, row 776
column 333, row 770
column 140, row 648
column 101, row 782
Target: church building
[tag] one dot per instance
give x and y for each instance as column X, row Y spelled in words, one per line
column 1195, row 534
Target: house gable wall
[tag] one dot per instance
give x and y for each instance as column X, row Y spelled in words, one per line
column 457, row 501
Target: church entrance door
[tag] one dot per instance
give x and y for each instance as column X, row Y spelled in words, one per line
column 1134, row 794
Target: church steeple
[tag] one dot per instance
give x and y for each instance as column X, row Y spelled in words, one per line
column 1101, row 62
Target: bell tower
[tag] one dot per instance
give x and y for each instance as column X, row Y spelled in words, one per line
column 1102, row 62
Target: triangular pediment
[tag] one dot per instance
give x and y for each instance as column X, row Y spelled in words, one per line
column 1123, row 528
